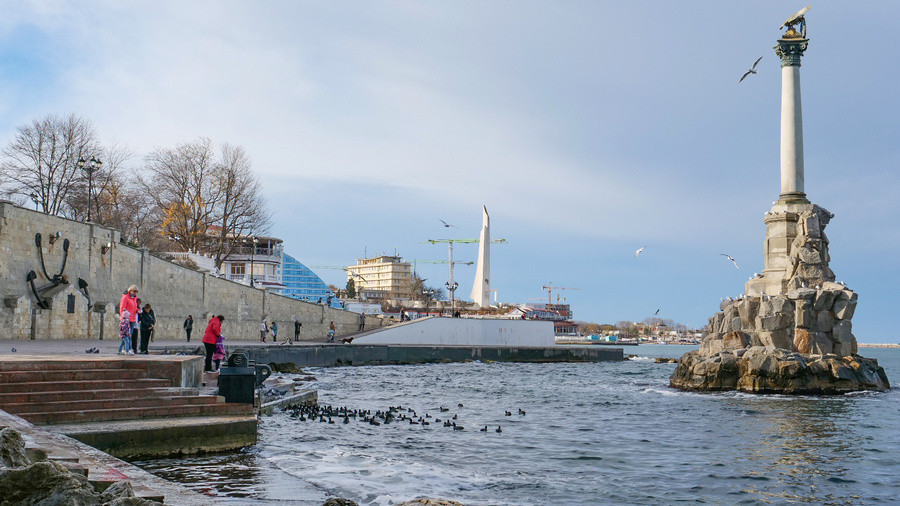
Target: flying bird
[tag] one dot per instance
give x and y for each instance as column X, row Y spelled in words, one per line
column 639, row 251
column 752, row 70
column 732, row 260
column 657, row 312
column 447, row 225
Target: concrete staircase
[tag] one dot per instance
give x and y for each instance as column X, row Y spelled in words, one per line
column 67, row 391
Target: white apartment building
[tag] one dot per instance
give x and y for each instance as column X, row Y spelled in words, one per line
column 383, row 277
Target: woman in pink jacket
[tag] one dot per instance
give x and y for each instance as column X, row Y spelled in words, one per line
column 129, row 304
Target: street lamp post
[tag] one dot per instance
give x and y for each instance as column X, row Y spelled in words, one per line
column 35, row 199
column 89, row 167
column 252, row 250
column 451, row 287
column 428, row 295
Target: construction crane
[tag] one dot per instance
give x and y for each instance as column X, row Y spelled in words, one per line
column 550, row 289
column 450, row 284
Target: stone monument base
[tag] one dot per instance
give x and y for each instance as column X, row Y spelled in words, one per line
column 771, row 370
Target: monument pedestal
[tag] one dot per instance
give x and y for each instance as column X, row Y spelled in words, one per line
column 795, row 252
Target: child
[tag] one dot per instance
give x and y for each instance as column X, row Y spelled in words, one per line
column 125, row 333
column 331, row 330
column 219, row 354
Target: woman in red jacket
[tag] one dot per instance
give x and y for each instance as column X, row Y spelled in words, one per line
column 213, row 331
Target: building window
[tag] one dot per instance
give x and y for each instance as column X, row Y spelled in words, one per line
column 238, row 268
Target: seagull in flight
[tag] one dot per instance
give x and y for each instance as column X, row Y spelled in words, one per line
column 657, row 312
column 752, row 69
column 732, row 260
column 447, row 225
column 639, row 251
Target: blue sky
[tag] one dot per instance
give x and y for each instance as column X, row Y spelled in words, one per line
column 587, row 128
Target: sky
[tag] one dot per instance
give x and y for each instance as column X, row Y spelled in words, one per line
column 587, row 128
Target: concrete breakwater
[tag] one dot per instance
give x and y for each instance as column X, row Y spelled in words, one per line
column 80, row 270
column 333, row 355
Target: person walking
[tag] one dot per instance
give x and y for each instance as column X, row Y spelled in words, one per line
column 210, row 338
column 148, row 321
column 297, row 328
column 125, row 333
column 188, row 327
column 362, row 322
column 274, row 331
column 129, row 304
column 263, row 331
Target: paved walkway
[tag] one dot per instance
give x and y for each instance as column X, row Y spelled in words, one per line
column 110, row 347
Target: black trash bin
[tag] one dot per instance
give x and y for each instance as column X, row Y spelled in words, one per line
column 237, row 384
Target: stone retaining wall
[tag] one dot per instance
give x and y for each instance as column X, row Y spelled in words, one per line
column 174, row 291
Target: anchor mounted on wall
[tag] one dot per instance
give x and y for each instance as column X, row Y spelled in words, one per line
column 56, row 280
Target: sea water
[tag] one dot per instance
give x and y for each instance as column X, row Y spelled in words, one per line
column 591, row 433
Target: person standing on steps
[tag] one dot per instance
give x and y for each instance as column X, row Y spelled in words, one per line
column 219, row 355
column 210, row 338
column 331, row 330
column 129, row 304
column 124, row 333
column 148, row 321
column 188, row 327
column 362, row 322
column 263, row 331
column 274, row 331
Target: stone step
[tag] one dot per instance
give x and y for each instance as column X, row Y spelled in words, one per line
column 180, row 410
column 7, row 377
column 57, row 386
column 102, row 404
column 100, row 394
column 77, row 363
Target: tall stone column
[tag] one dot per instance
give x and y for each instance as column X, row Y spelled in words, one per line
column 790, row 49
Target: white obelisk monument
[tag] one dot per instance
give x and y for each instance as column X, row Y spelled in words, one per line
column 481, row 288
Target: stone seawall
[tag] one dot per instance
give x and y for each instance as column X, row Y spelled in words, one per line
column 174, row 291
column 331, row 355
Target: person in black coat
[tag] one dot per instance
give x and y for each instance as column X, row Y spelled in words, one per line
column 147, row 321
column 188, row 327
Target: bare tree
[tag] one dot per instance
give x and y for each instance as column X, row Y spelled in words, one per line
column 41, row 161
column 239, row 206
column 180, row 183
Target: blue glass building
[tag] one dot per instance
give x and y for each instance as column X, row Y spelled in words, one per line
column 302, row 283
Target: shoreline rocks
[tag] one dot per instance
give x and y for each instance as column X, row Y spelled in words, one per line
column 771, row 370
column 46, row 482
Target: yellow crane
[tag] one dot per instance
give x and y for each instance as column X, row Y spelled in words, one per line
column 549, row 287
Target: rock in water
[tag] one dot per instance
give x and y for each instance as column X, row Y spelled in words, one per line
column 339, row 501
column 768, row 370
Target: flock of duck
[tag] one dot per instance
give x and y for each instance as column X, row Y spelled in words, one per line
column 393, row 414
